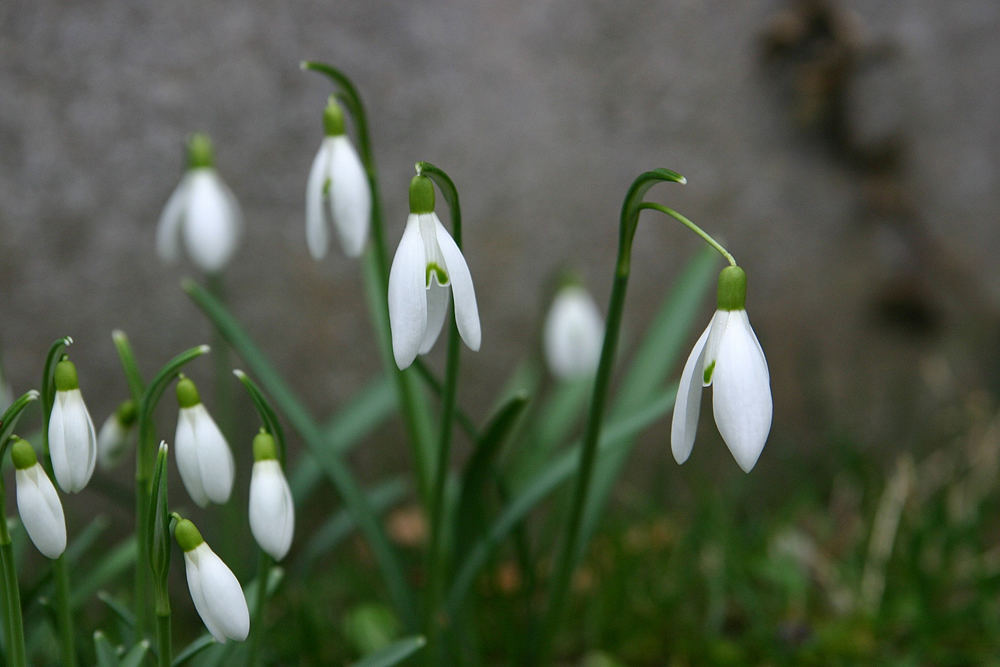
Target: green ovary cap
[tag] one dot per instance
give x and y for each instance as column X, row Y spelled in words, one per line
column 264, row 448
column 23, row 454
column 187, row 393
column 187, row 535
column 333, row 118
column 66, row 379
column 126, row 413
column 732, row 289
column 200, row 153
column 421, row 195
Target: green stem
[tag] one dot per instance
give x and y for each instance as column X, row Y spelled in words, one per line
column 63, row 613
column 569, row 552
column 263, row 572
column 705, row 236
column 129, row 367
column 436, row 554
column 164, row 650
column 378, row 277
column 14, row 622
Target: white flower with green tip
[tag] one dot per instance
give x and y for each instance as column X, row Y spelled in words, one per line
column 37, row 502
column 204, row 459
column 203, row 212
column 427, row 263
column 272, row 511
column 337, row 191
column 215, row 590
column 72, row 440
column 727, row 356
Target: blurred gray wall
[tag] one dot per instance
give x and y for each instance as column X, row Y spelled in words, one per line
column 872, row 286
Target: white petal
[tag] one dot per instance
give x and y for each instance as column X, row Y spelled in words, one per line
column 350, row 197
column 168, row 230
column 192, row 561
column 687, row 405
column 112, row 441
column 226, row 607
column 72, row 441
column 215, row 460
column 317, row 237
column 466, row 311
column 742, row 394
column 437, row 310
column 212, row 225
column 272, row 512
column 40, row 510
column 573, row 334
column 718, row 325
column 407, row 298
column 186, row 451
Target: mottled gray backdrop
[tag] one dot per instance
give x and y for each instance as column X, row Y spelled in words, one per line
column 869, row 239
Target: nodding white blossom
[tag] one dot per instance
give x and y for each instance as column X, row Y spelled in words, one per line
column 337, row 189
column 728, row 356
column 203, row 212
column 272, row 511
column 114, row 434
column 427, row 263
column 72, row 441
column 37, row 502
column 573, row 334
column 203, row 455
column 215, row 590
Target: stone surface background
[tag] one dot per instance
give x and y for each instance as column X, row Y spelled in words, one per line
column 874, row 291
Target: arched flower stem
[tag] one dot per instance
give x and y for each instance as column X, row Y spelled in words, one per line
column 436, row 557
column 705, row 236
column 570, row 551
column 377, row 274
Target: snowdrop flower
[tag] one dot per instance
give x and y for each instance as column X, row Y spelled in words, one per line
column 573, row 334
column 72, row 441
column 427, row 263
column 215, row 590
column 113, row 436
column 338, row 181
column 203, row 456
column 37, row 502
column 727, row 355
column 202, row 211
column 272, row 512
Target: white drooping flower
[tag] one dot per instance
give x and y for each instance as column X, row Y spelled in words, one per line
column 204, row 459
column 426, row 264
column 203, row 212
column 37, row 502
column 728, row 356
column 573, row 334
column 272, row 511
column 215, row 590
column 72, row 441
column 337, row 191
column 114, row 434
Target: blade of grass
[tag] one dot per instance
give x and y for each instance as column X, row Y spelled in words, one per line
column 106, row 654
column 545, row 482
column 394, row 653
column 315, row 441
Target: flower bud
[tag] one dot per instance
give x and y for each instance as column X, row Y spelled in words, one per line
column 72, row 441
column 203, row 457
column 272, row 511
column 37, row 502
column 573, row 334
column 113, row 437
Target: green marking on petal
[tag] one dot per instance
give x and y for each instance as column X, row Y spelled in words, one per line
column 708, row 373
column 326, row 188
column 438, row 271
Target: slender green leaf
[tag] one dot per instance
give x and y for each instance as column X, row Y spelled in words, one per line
column 107, row 656
column 121, row 611
column 656, row 357
column 86, row 539
column 266, row 413
column 315, row 441
column 136, row 655
column 9, row 419
column 545, row 482
column 129, row 367
column 361, row 415
column 114, row 562
column 381, row 497
column 470, row 515
column 194, row 648
column 394, row 653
